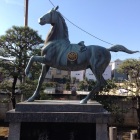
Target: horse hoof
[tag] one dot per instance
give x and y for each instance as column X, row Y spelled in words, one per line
column 83, row 101
column 30, row 100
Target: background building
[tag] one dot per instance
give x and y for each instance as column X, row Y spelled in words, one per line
column 79, row 75
column 115, row 75
column 57, row 75
column 110, row 73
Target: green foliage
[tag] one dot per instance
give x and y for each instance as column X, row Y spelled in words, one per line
column 6, row 86
column 81, row 85
column 131, row 67
column 66, row 80
column 110, row 85
column 49, row 84
column 91, row 84
column 110, row 103
column 44, row 96
column 5, row 100
column 21, row 43
column 73, row 80
column 86, row 85
column 67, row 86
column 27, row 88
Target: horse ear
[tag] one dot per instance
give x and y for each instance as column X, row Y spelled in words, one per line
column 56, row 8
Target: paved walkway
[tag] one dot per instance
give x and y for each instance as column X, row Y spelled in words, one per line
column 124, row 133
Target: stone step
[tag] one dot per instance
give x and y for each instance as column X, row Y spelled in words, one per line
column 59, row 106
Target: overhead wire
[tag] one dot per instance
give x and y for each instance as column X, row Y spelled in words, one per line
column 51, row 3
column 82, row 29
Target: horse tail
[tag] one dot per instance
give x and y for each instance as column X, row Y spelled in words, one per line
column 117, row 48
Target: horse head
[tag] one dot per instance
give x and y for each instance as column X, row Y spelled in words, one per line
column 49, row 18
column 59, row 28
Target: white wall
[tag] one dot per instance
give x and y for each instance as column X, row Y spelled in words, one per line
column 106, row 74
column 116, row 64
column 89, row 75
column 49, row 75
column 78, row 74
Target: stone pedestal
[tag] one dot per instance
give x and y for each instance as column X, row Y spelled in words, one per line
column 49, row 118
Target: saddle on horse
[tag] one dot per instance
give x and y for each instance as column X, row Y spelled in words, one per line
column 83, row 47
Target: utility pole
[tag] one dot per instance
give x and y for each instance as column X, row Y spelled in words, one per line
column 26, row 12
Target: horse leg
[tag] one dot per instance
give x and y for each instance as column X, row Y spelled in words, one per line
column 99, row 84
column 45, row 69
column 33, row 59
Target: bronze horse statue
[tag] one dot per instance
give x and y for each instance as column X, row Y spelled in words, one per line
column 59, row 53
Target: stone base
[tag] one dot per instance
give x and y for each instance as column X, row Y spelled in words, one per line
column 58, row 131
column 81, row 121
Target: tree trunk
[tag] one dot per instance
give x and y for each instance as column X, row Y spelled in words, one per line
column 13, row 98
column 138, row 115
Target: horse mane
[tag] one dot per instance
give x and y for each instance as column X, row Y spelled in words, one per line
column 58, row 30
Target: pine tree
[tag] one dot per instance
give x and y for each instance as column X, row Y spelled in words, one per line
column 131, row 67
column 20, row 43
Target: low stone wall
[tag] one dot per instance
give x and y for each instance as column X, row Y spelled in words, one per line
column 5, row 104
column 130, row 117
column 4, row 107
column 125, row 114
